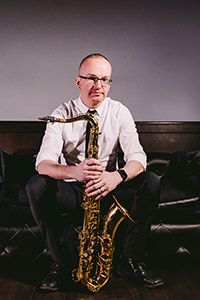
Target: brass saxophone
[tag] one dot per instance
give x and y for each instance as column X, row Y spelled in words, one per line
column 96, row 240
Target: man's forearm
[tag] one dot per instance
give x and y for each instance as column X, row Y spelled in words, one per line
column 88, row 169
column 108, row 181
column 56, row 170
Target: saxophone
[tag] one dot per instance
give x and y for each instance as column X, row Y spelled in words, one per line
column 96, row 240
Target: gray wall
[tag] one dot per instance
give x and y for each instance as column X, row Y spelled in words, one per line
column 154, row 47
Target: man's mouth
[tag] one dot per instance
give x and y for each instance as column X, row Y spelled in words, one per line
column 96, row 93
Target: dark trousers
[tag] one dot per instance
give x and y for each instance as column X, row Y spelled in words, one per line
column 50, row 198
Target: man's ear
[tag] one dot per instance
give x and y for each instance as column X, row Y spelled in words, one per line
column 77, row 80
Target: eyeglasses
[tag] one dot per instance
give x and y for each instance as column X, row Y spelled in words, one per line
column 94, row 80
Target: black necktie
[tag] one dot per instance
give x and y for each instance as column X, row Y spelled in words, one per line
column 88, row 132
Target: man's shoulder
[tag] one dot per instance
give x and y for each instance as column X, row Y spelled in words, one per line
column 116, row 104
column 119, row 110
column 65, row 108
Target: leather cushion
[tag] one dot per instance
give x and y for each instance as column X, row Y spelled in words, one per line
column 15, row 171
column 15, row 214
column 158, row 163
column 20, row 242
column 179, row 173
column 184, row 169
column 168, row 241
column 185, row 211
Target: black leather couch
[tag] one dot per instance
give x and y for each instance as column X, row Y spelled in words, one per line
column 175, row 233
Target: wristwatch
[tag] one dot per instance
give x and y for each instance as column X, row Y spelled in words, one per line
column 123, row 174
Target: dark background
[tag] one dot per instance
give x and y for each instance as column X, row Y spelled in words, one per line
column 154, row 47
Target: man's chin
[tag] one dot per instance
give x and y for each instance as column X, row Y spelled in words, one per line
column 97, row 98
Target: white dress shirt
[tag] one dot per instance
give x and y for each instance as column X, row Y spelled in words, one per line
column 67, row 140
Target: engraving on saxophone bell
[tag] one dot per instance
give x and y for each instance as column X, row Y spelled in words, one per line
column 96, row 240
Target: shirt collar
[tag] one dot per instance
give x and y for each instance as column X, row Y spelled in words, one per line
column 83, row 108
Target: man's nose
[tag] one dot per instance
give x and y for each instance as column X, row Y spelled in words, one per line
column 98, row 83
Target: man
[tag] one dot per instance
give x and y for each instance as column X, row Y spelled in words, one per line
column 63, row 167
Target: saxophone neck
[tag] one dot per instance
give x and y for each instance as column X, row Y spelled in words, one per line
column 88, row 117
column 94, row 130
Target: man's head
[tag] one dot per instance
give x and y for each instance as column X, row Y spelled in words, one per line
column 94, row 79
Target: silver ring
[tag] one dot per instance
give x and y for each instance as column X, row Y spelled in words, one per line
column 101, row 190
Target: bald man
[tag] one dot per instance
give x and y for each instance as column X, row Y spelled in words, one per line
column 63, row 168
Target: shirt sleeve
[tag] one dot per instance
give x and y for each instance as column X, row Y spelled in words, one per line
column 52, row 143
column 129, row 139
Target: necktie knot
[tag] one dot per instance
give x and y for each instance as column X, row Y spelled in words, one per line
column 92, row 111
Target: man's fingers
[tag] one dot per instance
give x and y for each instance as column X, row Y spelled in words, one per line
column 93, row 181
column 93, row 161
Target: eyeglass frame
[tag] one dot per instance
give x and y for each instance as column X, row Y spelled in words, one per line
column 104, row 81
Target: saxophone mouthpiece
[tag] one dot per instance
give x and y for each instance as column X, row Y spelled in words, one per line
column 48, row 119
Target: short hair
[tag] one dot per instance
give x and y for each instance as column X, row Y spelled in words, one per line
column 93, row 55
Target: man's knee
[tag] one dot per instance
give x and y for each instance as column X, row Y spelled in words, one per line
column 38, row 185
column 151, row 183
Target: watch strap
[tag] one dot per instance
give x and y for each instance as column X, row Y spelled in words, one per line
column 123, row 174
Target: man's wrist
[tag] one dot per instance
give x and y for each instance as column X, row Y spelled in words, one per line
column 123, row 174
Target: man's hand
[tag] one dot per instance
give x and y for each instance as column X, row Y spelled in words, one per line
column 89, row 169
column 92, row 171
column 106, row 182
column 102, row 185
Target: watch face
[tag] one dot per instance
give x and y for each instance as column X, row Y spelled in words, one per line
column 123, row 174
